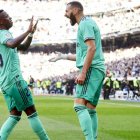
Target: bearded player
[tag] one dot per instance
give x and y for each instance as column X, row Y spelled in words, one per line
column 90, row 60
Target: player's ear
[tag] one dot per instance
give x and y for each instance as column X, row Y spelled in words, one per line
column 74, row 10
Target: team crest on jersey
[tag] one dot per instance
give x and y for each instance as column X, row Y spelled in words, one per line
column 15, row 50
column 8, row 36
column 77, row 44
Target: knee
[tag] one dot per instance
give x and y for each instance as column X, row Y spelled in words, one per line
column 30, row 110
column 80, row 101
column 92, row 111
column 79, row 107
column 90, row 106
column 15, row 117
column 15, row 112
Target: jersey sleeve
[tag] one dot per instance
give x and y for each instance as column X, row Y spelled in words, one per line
column 5, row 35
column 87, row 30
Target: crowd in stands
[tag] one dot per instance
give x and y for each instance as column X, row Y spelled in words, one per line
column 124, row 62
column 124, row 89
column 59, row 77
column 65, row 85
column 111, row 16
column 118, row 62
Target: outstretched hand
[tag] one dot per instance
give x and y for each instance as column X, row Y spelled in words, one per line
column 58, row 57
column 32, row 28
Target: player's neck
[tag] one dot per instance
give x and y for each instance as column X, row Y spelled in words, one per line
column 80, row 16
column 2, row 28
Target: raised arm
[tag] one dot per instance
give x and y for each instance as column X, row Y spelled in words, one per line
column 13, row 43
column 26, row 44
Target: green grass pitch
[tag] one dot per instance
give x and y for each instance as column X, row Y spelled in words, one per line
column 118, row 120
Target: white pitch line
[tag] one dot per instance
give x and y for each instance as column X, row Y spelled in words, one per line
column 121, row 104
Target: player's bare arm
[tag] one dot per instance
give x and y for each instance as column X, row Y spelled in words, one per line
column 60, row 56
column 89, row 57
column 27, row 42
column 13, row 43
column 71, row 57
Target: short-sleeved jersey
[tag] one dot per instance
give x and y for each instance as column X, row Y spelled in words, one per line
column 9, row 61
column 88, row 29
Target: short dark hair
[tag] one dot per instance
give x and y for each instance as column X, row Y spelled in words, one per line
column 76, row 4
column 1, row 10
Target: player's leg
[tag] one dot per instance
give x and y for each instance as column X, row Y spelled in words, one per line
column 14, row 117
column 24, row 101
column 84, row 118
column 35, row 123
column 94, row 119
column 94, row 90
column 81, row 109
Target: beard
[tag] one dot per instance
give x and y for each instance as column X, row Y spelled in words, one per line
column 72, row 19
column 7, row 24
